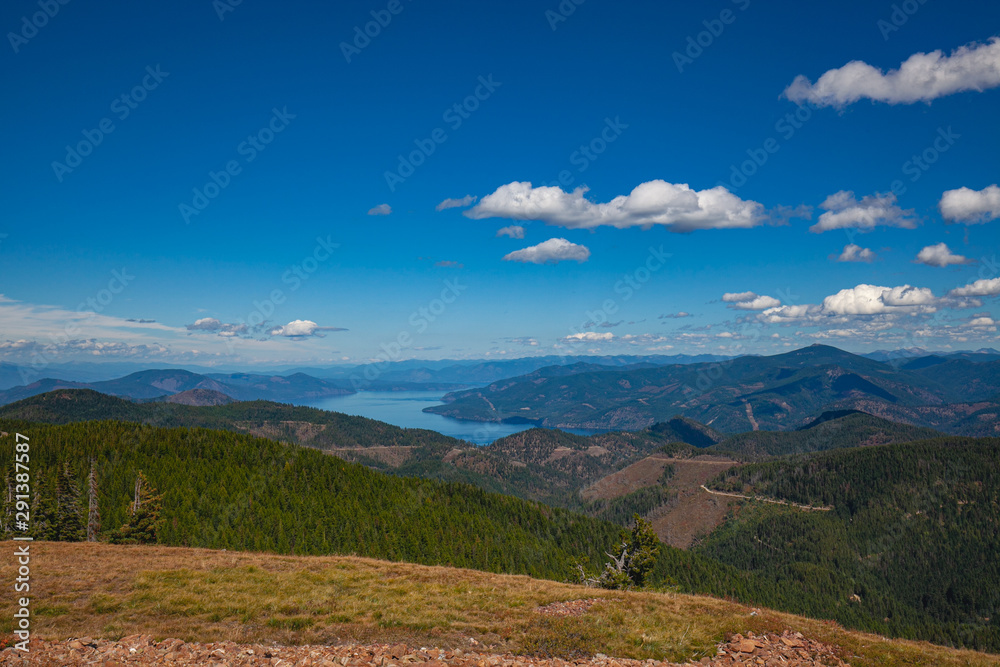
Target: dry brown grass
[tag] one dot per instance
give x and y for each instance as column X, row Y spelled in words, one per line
column 199, row 595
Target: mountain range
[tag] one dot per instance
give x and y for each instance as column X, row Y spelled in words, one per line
column 953, row 394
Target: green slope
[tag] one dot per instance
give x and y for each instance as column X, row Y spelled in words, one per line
column 914, row 535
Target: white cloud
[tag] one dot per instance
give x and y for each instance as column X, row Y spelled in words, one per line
column 301, row 329
column 920, row 78
column 296, row 328
column 590, row 337
column 855, row 253
column 971, row 206
column 982, row 322
column 513, row 231
column 676, row 207
column 381, row 209
column 674, row 316
column 982, row 287
column 550, row 252
column 788, row 313
column 940, row 255
column 750, row 301
column 844, row 211
column 872, row 300
column 456, row 203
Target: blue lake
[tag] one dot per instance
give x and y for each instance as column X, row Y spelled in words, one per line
column 405, row 408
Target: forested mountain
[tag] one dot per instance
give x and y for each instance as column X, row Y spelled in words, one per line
column 832, row 430
column 226, row 490
column 782, row 392
column 910, row 546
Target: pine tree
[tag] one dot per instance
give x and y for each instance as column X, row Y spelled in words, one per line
column 44, row 517
column 69, row 516
column 143, row 525
column 94, row 512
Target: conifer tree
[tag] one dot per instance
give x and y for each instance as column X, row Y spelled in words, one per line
column 44, row 517
column 143, row 524
column 94, row 512
column 69, row 516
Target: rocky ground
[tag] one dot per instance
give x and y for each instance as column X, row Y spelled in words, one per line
column 789, row 649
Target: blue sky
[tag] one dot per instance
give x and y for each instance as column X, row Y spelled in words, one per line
column 312, row 132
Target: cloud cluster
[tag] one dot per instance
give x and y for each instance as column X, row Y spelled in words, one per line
column 456, row 203
column 677, row 207
column 940, row 255
column 971, row 206
column 845, row 211
column 552, row 251
column 887, row 303
column 589, row 337
column 855, row 253
column 749, row 301
column 920, row 78
column 213, row 325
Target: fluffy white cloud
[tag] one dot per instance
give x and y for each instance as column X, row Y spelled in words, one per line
column 750, row 301
column 301, row 329
column 550, row 252
column 844, row 211
column 920, row 78
column 982, row 287
column 984, row 321
column 456, row 203
column 855, row 253
column 381, row 209
column 590, row 337
column 513, row 231
column 971, row 206
column 940, row 255
column 296, row 328
column 873, row 300
column 676, row 207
